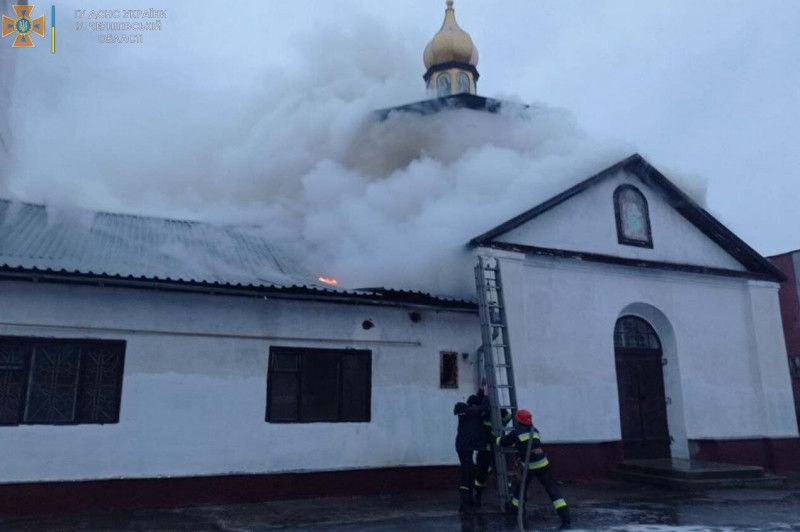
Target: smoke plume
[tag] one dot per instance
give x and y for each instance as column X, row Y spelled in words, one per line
column 296, row 152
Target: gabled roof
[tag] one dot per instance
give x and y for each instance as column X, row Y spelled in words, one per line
column 137, row 251
column 756, row 265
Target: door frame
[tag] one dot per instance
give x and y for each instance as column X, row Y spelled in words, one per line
column 649, row 356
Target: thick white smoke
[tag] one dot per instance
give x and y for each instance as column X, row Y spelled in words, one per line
column 300, row 155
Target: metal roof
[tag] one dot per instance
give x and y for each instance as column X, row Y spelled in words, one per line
column 84, row 244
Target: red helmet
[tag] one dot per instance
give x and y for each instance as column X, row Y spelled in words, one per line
column 523, row 417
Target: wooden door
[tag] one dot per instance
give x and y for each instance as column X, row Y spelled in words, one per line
column 640, row 381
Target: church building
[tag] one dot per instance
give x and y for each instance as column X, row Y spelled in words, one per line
column 641, row 327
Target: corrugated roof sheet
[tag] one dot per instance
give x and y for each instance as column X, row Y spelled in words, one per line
column 99, row 244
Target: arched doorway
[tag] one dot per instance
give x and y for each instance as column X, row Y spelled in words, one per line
column 640, row 380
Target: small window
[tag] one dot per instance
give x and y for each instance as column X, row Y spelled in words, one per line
column 318, row 385
column 60, row 382
column 794, row 366
column 462, row 82
column 443, row 84
column 448, row 370
column 633, row 218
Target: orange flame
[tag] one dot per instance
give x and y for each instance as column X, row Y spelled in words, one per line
column 327, row 280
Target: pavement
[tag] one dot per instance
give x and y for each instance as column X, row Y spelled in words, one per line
column 606, row 505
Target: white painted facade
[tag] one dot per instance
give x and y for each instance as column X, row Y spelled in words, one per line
column 194, row 386
column 726, row 373
column 586, row 223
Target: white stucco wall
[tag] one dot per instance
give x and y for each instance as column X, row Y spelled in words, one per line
column 586, row 222
column 726, row 375
column 194, row 403
column 194, row 389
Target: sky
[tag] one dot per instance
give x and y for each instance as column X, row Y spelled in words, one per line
column 231, row 98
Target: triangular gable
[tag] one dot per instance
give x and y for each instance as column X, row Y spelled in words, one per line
column 726, row 243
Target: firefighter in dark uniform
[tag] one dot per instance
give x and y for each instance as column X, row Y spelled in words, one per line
column 485, row 457
column 469, row 439
column 538, row 465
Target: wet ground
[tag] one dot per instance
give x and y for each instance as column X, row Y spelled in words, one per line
column 615, row 506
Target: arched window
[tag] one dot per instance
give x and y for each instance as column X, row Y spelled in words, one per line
column 462, row 83
column 635, row 333
column 443, row 84
column 633, row 218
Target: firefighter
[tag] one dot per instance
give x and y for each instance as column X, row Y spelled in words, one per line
column 538, row 465
column 469, row 439
column 485, row 457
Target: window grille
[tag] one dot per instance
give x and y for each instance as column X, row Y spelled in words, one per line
column 46, row 381
column 635, row 333
column 318, row 385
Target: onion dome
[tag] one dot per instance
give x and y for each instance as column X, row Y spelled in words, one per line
column 450, row 59
column 451, row 44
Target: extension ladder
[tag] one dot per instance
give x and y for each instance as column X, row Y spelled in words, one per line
column 497, row 370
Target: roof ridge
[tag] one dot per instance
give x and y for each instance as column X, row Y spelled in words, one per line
column 128, row 214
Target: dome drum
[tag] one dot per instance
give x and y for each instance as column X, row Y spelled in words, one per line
column 451, row 65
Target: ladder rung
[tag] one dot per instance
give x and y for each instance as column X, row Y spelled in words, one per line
column 501, row 386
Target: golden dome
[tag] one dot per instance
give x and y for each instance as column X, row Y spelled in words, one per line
column 451, row 43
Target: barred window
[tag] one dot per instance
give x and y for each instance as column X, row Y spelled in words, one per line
column 45, row 381
column 318, row 385
column 635, row 333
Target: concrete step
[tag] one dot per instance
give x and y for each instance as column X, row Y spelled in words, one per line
column 691, row 469
column 693, row 484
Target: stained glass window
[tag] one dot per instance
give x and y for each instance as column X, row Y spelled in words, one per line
column 633, row 219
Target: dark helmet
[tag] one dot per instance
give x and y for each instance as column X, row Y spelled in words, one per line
column 459, row 409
